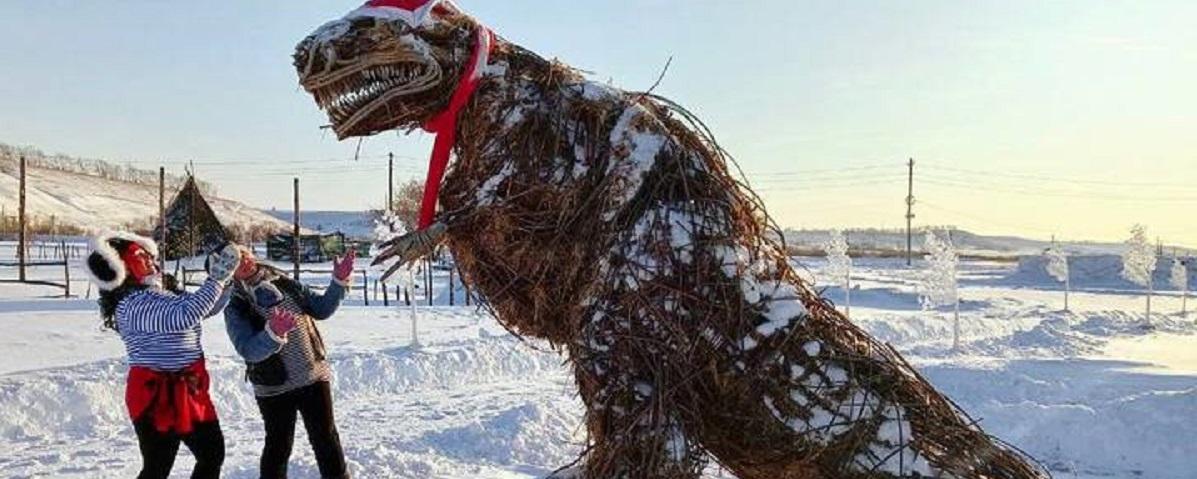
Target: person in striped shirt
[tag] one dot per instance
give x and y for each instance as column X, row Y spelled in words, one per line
column 167, row 388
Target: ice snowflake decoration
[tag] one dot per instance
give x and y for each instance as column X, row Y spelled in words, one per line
column 1180, row 274
column 1139, row 261
column 1180, row 280
column 1057, row 267
column 388, row 226
column 839, row 264
column 939, row 279
column 1057, row 263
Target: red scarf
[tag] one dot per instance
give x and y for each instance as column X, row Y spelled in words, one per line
column 444, row 125
column 176, row 400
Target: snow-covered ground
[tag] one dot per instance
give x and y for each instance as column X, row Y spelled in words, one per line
column 1094, row 393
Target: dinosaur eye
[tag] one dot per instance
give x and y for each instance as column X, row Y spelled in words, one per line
column 399, row 27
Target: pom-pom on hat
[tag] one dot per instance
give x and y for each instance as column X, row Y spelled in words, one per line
column 104, row 264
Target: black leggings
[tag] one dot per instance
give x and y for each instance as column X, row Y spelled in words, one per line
column 158, row 450
column 278, row 413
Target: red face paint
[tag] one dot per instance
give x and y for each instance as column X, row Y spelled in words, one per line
column 139, row 262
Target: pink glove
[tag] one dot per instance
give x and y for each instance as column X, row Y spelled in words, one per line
column 281, row 322
column 343, row 266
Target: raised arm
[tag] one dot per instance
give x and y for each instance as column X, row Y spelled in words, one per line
column 163, row 313
column 323, row 306
column 166, row 313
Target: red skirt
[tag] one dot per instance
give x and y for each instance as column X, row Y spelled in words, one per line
column 176, row 400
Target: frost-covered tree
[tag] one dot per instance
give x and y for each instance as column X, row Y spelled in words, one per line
column 1057, row 267
column 1180, row 279
column 839, row 265
column 939, row 279
column 1138, row 262
column 388, row 226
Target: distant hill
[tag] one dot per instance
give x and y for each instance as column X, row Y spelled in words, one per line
column 355, row 224
column 91, row 195
column 882, row 241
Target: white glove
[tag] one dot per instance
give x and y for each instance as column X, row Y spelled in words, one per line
column 223, row 262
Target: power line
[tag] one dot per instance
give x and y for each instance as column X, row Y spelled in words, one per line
column 821, row 171
column 1054, row 193
column 799, row 188
column 1057, row 179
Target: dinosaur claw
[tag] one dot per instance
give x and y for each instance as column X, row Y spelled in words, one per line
column 410, row 247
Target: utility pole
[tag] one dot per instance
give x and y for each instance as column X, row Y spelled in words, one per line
column 390, row 182
column 295, row 232
column 21, row 225
column 909, row 212
column 162, row 218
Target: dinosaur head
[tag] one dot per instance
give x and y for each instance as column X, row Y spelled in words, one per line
column 391, row 64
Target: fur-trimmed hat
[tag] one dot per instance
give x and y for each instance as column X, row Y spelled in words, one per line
column 104, row 264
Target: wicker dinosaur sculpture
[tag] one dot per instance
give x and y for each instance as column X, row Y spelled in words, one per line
column 608, row 224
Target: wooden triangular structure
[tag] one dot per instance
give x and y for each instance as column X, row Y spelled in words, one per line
column 192, row 228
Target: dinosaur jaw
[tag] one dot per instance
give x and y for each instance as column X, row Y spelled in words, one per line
column 375, row 96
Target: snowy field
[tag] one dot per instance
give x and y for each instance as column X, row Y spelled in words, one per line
column 1095, row 393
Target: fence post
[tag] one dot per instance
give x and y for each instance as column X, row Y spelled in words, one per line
column 451, row 286
column 385, row 300
column 162, row 218
column 66, row 270
column 21, row 252
column 295, row 232
column 365, row 288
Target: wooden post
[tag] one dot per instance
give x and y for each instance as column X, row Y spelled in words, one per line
column 451, row 286
column 21, row 227
column 428, row 280
column 66, row 270
column 191, row 220
column 386, row 301
column 909, row 213
column 295, row 232
column 162, row 218
column 365, row 288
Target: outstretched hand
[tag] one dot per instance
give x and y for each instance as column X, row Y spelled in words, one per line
column 343, row 266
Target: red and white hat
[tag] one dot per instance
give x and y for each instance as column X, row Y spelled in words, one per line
column 106, row 264
column 414, row 12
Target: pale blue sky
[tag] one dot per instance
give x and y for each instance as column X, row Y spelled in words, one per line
column 1087, row 110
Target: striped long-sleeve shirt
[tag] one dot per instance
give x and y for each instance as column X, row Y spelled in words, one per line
column 161, row 330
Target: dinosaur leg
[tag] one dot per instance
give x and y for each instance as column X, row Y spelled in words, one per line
column 635, row 429
column 828, row 402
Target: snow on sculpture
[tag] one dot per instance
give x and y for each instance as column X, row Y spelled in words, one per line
column 608, row 224
column 1057, row 267
column 839, row 265
column 1138, row 263
column 1180, row 280
column 939, row 279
